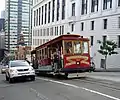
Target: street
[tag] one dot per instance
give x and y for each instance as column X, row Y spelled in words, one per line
column 49, row 88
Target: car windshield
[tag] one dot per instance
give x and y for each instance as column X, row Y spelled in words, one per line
column 18, row 63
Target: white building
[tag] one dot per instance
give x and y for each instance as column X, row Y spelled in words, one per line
column 96, row 19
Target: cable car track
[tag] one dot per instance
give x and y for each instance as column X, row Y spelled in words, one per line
column 100, row 82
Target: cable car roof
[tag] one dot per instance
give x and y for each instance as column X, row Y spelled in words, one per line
column 63, row 37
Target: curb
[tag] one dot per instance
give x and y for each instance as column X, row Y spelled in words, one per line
column 108, row 70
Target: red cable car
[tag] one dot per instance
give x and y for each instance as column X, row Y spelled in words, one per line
column 65, row 54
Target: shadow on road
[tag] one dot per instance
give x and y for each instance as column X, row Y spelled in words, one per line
column 59, row 77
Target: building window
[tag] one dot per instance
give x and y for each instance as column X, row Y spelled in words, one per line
column 94, row 6
column 82, row 26
column 42, row 14
column 72, row 27
column 92, row 39
column 45, row 13
column 118, row 2
column 51, row 31
column 43, row 40
column 104, row 38
column 34, row 18
column 63, row 29
column 57, row 31
column 39, row 15
column 43, row 32
column 40, row 32
column 60, row 30
column 53, row 11
column 47, row 31
column 73, row 9
column 63, row 9
column 107, row 4
column 84, row 7
column 92, row 25
column 105, row 23
column 118, row 41
column 119, row 22
column 49, row 7
column 37, row 18
column 58, row 6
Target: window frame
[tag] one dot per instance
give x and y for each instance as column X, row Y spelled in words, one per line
column 82, row 26
column 105, row 4
column 45, row 21
column 119, row 22
column 104, row 38
column 63, row 9
column 80, row 46
column 118, row 3
column 42, row 14
column 91, row 40
column 118, row 41
column 105, row 22
column 49, row 8
column 72, row 27
column 73, row 9
column 92, row 25
column 58, row 7
column 65, row 48
column 93, row 4
column 39, row 15
column 84, row 7
column 53, row 10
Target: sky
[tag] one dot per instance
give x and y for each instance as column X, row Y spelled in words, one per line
column 2, row 5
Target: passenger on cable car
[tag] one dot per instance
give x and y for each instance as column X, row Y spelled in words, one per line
column 56, row 59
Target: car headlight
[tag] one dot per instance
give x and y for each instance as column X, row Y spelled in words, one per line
column 12, row 70
column 31, row 69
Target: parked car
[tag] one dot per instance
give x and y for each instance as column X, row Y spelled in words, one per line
column 19, row 69
column 3, row 68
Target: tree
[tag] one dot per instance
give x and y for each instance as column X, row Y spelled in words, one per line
column 107, row 48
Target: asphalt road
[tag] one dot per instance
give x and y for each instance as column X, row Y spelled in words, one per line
column 48, row 88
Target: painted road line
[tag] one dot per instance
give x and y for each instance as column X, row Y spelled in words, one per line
column 38, row 95
column 75, row 86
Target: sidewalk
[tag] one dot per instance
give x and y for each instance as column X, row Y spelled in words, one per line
column 108, row 76
column 107, row 70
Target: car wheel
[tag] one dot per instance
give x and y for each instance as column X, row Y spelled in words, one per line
column 11, row 80
column 66, row 75
column 7, row 79
column 33, row 78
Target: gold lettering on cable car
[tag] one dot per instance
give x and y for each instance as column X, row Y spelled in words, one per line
column 82, row 59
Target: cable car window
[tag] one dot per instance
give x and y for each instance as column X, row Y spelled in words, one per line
column 46, row 53
column 40, row 55
column 85, row 47
column 77, row 47
column 43, row 53
column 68, row 47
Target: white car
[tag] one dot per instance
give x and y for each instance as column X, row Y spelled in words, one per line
column 3, row 67
column 19, row 69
